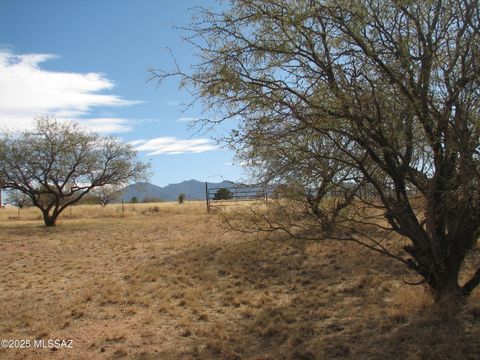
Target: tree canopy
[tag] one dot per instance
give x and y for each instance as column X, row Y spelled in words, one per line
column 58, row 163
column 385, row 93
column 223, row 194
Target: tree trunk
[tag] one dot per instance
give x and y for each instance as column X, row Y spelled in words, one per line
column 446, row 290
column 50, row 220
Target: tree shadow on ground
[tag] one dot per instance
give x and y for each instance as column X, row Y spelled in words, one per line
column 294, row 300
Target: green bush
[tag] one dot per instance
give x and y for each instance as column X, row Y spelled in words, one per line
column 223, row 194
column 181, row 198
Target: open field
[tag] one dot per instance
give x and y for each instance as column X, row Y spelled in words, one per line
column 168, row 281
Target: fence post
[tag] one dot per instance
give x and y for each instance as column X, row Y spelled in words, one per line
column 207, row 197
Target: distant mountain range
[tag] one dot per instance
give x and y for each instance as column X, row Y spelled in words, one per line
column 193, row 190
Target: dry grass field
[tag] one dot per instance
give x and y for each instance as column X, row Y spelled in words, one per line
column 169, row 281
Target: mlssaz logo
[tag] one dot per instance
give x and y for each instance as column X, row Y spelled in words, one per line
column 53, row 343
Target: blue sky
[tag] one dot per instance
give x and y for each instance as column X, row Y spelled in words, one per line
column 87, row 61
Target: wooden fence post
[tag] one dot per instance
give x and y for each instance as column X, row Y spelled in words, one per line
column 207, row 197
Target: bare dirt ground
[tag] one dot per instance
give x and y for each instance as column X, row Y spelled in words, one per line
column 168, row 281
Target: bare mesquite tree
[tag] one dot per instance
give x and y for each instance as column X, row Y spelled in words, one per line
column 57, row 164
column 105, row 194
column 393, row 86
column 18, row 199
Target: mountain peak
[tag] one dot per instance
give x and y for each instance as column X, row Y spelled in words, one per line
column 193, row 190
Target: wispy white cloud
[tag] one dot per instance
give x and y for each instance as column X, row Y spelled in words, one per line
column 107, row 125
column 173, row 102
column 146, row 121
column 27, row 90
column 137, row 142
column 172, row 145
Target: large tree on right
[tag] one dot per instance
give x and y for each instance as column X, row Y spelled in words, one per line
column 391, row 86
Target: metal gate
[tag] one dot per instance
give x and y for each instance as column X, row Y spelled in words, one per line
column 218, row 196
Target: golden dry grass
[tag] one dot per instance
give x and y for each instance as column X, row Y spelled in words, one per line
column 168, row 281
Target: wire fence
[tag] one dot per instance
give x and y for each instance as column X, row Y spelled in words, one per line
column 218, row 196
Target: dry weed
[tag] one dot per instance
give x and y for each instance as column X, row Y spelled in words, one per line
column 173, row 284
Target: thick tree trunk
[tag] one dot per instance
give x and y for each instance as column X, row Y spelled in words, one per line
column 50, row 220
column 446, row 290
column 449, row 291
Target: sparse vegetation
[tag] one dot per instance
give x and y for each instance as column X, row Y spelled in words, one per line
column 176, row 285
column 359, row 122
